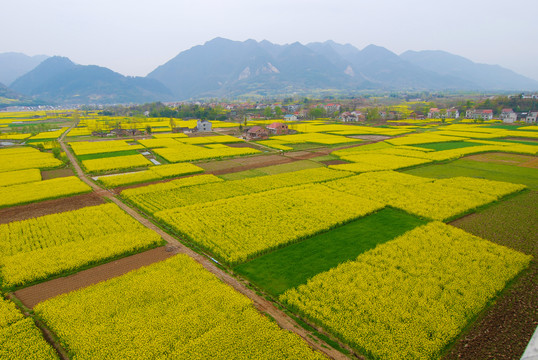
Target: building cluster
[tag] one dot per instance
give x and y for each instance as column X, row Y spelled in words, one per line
column 507, row 115
column 261, row 133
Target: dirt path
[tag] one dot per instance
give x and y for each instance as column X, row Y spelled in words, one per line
column 33, row 295
column 262, row 304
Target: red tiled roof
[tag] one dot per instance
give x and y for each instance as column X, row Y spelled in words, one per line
column 275, row 125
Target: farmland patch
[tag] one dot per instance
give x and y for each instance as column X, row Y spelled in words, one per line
column 470, row 168
column 293, row 265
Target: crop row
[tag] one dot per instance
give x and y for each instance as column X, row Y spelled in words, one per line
column 153, row 173
column 19, row 337
column 186, row 152
column 173, row 309
column 20, row 177
column 158, row 198
column 116, row 163
column 41, row 190
column 96, row 147
column 408, row 298
column 429, row 198
column 29, row 158
column 35, row 249
column 317, row 138
column 240, row 228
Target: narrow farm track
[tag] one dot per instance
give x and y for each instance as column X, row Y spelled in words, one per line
column 262, row 304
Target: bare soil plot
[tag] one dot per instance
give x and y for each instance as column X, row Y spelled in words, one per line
column 52, row 174
column 48, row 207
column 243, row 145
column 504, row 330
column 531, row 164
column 502, row 158
column 521, row 139
column 334, row 162
column 371, row 137
column 33, row 295
column 235, row 165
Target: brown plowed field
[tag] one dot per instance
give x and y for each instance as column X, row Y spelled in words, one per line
column 334, row 162
column 502, row 158
column 48, row 207
column 33, row 295
column 53, row 174
column 531, row 164
column 504, row 329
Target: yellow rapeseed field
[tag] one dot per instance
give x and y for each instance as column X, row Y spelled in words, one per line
column 37, row 248
column 242, row 227
column 174, row 309
column 20, row 339
column 41, row 190
column 408, row 298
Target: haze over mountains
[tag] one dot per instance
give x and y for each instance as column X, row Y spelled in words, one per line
column 13, row 65
column 226, row 68
column 58, row 79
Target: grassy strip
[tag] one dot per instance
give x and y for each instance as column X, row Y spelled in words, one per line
column 448, row 145
column 272, row 170
column 516, row 141
column 293, row 265
column 106, row 155
column 477, row 169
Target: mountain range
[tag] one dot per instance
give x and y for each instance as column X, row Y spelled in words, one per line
column 59, row 80
column 13, row 65
column 226, row 68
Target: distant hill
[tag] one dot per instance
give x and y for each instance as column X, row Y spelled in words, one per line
column 9, row 97
column 490, row 77
column 59, row 80
column 14, row 65
column 223, row 67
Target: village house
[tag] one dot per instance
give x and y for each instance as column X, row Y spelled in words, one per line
column 453, row 113
column 434, row 113
column 484, row 114
column 508, row 116
column 203, row 125
column 330, row 108
column 350, row 116
column 257, row 133
column 290, row 117
column 277, row 128
column 531, row 117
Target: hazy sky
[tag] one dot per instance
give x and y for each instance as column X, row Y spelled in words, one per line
column 133, row 37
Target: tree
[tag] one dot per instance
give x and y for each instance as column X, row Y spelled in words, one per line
column 267, row 112
column 372, row 114
column 148, row 129
column 442, row 112
column 278, row 112
column 316, row 113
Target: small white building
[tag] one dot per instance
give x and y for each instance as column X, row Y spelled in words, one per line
column 531, row 117
column 453, row 113
column 203, row 125
column 484, row 114
column 508, row 116
column 434, row 113
column 290, row 117
column 349, row 117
